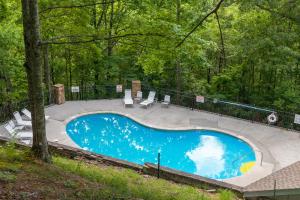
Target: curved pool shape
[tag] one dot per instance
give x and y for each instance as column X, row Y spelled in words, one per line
column 202, row 152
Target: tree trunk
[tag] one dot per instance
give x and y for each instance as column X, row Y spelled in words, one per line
column 111, row 21
column 52, row 70
column 8, row 91
column 47, row 74
column 208, row 75
column 67, row 52
column 34, row 75
column 178, row 63
column 96, row 68
column 109, row 41
column 70, row 72
column 8, row 84
column 222, row 58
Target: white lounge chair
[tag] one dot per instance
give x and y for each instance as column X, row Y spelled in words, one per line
column 27, row 113
column 127, row 98
column 14, row 126
column 150, row 99
column 166, row 101
column 23, row 135
column 20, row 121
column 139, row 96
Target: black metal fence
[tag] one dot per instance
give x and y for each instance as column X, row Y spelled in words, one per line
column 247, row 112
column 6, row 110
column 93, row 93
column 222, row 107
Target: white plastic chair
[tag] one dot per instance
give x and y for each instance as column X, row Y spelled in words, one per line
column 150, row 99
column 27, row 113
column 166, row 101
column 18, row 134
column 14, row 126
column 127, row 98
column 20, row 121
column 139, row 96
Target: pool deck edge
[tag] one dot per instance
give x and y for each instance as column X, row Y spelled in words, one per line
column 280, row 147
column 239, row 180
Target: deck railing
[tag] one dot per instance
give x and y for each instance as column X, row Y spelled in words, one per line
column 218, row 106
column 222, row 107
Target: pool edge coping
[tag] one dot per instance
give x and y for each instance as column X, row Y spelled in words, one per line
column 257, row 151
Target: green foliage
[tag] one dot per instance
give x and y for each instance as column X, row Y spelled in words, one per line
column 129, row 184
column 12, row 76
column 227, row 195
column 7, row 176
column 10, row 153
column 70, row 179
column 10, row 159
column 70, row 184
column 261, row 46
column 3, row 10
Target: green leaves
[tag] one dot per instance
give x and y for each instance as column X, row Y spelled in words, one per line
column 3, row 10
column 152, row 64
column 261, row 44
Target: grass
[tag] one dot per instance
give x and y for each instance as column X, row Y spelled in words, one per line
column 22, row 177
column 226, row 195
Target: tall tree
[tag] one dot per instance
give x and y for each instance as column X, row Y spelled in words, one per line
column 34, row 75
column 178, row 64
column 246, row 51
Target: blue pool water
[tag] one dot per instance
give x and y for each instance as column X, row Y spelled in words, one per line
column 203, row 152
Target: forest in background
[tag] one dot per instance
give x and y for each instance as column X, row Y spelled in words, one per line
column 246, row 51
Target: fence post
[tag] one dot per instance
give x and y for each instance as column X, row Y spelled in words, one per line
column 274, row 195
column 252, row 115
column 193, row 102
column 262, row 157
column 158, row 165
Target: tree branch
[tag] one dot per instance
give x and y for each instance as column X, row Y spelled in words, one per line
column 94, row 38
column 74, row 6
column 200, row 22
column 278, row 13
column 222, row 54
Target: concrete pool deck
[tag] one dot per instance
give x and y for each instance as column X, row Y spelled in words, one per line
column 277, row 147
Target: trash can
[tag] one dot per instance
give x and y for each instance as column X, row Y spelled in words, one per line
column 59, row 94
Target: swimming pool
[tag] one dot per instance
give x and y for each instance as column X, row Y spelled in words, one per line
column 202, row 152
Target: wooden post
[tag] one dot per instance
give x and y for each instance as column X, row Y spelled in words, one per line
column 136, row 86
column 59, row 94
column 158, row 165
